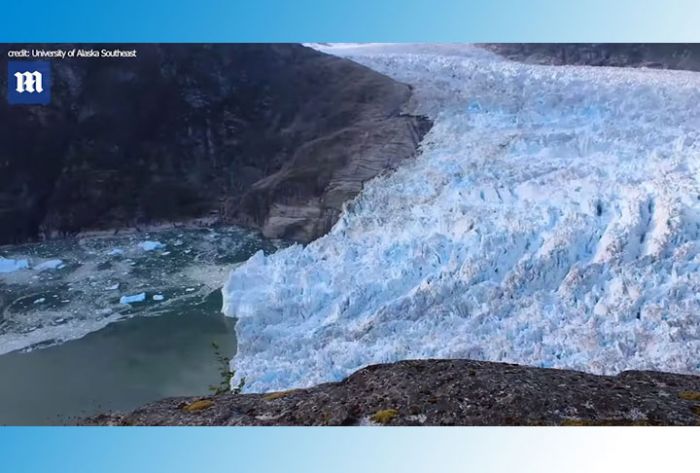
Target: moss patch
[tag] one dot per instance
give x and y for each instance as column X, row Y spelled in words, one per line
column 603, row 422
column 278, row 395
column 689, row 395
column 384, row 416
column 199, row 405
column 575, row 422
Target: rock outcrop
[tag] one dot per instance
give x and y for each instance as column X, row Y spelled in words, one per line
column 276, row 137
column 445, row 392
column 658, row 56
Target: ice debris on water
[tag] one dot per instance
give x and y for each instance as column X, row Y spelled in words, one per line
column 158, row 297
column 85, row 293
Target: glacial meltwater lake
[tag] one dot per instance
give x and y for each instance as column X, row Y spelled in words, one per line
column 108, row 323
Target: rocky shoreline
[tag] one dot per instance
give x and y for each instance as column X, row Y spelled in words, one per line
column 445, row 392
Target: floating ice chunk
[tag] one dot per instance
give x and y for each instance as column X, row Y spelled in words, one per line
column 133, row 298
column 49, row 264
column 190, row 289
column 151, row 245
column 113, row 287
column 158, row 297
column 10, row 265
column 165, row 253
column 116, row 252
column 40, row 300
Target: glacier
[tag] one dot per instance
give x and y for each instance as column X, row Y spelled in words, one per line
column 552, row 218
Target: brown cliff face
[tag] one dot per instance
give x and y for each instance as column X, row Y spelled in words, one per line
column 271, row 136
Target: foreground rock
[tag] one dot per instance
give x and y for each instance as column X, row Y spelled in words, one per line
column 446, row 392
column 274, row 136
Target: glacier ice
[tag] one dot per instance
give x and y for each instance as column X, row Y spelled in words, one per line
column 552, row 218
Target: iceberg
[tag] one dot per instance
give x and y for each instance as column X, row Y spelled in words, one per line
column 8, row 265
column 151, row 245
column 49, row 264
column 556, row 224
column 130, row 299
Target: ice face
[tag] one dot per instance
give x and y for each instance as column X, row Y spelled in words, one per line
column 552, row 219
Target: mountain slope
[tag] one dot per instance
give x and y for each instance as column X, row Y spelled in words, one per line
column 274, row 136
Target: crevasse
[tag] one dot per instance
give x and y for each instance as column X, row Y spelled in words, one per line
column 551, row 219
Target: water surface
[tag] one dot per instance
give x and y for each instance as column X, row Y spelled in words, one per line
column 120, row 367
column 70, row 348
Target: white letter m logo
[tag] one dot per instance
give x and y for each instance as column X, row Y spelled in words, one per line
column 29, row 82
